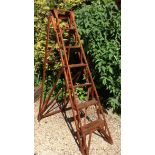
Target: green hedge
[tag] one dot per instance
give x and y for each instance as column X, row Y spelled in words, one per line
column 99, row 26
column 41, row 10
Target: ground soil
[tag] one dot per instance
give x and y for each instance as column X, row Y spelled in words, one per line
column 53, row 136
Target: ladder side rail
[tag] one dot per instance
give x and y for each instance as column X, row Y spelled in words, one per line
column 62, row 60
column 51, row 102
column 48, row 102
column 44, row 69
column 85, row 73
column 67, row 85
column 84, row 56
column 67, row 66
column 85, row 59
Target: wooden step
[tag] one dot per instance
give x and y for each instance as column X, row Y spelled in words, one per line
column 87, row 104
column 62, row 12
column 77, row 65
column 67, row 47
column 82, row 85
column 92, row 126
column 50, row 62
column 70, row 30
column 63, row 16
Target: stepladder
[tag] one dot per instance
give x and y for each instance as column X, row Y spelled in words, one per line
column 72, row 77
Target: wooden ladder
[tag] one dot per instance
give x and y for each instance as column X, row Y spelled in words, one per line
column 74, row 68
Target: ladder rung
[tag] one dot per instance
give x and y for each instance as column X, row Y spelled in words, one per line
column 50, row 62
column 72, row 46
column 87, row 104
column 92, row 126
column 62, row 12
column 70, row 30
column 82, row 85
column 77, row 65
column 63, row 16
column 50, row 49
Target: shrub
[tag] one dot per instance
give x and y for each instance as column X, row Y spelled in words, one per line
column 41, row 10
column 99, row 27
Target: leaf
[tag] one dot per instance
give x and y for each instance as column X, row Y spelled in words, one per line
column 110, row 70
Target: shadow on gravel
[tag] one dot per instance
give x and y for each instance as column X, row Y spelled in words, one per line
column 69, row 120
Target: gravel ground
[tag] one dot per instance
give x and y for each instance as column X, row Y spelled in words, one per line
column 53, row 136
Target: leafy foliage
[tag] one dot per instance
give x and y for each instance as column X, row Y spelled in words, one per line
column 40, row 21
column 99, row 27
column 81, row 93
column 41, row 10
